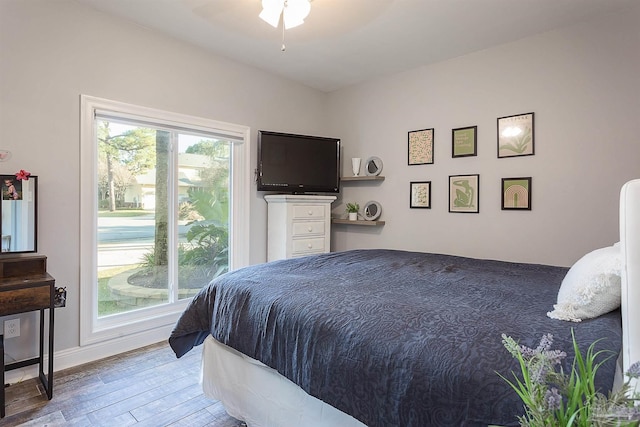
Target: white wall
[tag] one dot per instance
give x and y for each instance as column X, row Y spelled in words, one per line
column 53, row 51
column 583, row 85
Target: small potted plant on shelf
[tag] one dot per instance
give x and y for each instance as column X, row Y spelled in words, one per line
column 352, row 210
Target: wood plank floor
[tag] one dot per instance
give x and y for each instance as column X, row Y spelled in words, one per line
column 144, row 387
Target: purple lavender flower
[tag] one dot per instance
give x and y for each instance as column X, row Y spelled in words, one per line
column 552, row 399
column 527, row 353
column 538, row 372
column 545, row 343
column 634, row 370
column 554, row 357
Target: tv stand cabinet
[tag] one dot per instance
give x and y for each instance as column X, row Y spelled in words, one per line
column 298, row 225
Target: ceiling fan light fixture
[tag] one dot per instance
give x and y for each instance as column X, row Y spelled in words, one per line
column 293, row 12
column 271, row 11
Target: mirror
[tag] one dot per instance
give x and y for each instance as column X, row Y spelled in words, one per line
column 372, row 211
column 19, row 214
column 373, row 166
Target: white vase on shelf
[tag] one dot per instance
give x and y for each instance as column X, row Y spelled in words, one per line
column 355, row 165
column 353, row 216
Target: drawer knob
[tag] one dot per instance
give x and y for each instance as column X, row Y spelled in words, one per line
column 310, row 229
column 310, row 212
column 310, row 246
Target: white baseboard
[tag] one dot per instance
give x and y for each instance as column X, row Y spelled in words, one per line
column 72, row 357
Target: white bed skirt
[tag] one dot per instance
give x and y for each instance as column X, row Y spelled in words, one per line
column 258, row 395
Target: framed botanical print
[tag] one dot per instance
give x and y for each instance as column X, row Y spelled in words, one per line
column 516, row 135
column 464, row 142
column 464, row 193
column 420, row 195
column 516, row 193
column 421, row 147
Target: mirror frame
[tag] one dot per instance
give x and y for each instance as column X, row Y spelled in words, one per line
column 32, row 233
column 371, row 217
column 375, row 161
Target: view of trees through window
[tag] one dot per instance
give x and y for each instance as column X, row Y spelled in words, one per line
column 163, row 218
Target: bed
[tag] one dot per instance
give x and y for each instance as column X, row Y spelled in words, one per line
column 390, row 338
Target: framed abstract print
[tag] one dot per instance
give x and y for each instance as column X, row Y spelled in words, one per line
column 464, row 193
column 516, row 193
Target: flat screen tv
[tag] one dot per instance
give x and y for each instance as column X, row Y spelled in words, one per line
column 289, row 163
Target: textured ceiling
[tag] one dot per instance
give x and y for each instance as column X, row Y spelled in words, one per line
column 344, row 42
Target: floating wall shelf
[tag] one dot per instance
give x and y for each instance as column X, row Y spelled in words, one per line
column 362, row 178
column 358, row 222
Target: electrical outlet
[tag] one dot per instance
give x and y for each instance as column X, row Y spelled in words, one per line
column 12, row 328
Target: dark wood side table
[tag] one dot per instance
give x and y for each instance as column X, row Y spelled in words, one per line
column 26, row 286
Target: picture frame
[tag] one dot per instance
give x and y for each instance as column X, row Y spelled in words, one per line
column 19, row 212
column 516, row 135
column 464, row 193
column 420, row 147
column 516, row 193
column 11, row 187
column 464, row 142
column 420, row 195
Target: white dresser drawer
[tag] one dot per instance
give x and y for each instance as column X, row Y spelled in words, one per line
column 308, row 228
column 308, row 211
column 297, row 225
column 308, row 245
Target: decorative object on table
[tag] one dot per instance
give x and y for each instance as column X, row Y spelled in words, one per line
column 420, row 194
column 352, row 210
column 554, row 398
column 373, row 166
column 516, row 193
column 464, row 193
column 371, row 211
column 23, row 175
column 355, row 165
column 5, row 155
column 516, row 135
column 464, row 142
column 60, row 297
column 421, row 147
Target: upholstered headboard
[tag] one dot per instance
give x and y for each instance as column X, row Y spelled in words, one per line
column 630, row 247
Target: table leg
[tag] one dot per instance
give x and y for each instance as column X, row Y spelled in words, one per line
column 2, row 385
column 51, row 335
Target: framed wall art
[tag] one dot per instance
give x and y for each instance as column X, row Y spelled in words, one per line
column 464, row 142
column 516, row 193
column 421, row 147
column 420, row 195
column 464, row 193
column 516, row 135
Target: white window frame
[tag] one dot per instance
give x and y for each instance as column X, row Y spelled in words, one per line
column 95, row 330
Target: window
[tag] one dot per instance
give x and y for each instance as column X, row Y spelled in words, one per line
column 162, row 197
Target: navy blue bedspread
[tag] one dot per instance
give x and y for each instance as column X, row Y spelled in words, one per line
column 393, row 338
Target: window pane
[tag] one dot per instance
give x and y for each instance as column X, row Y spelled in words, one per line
column 132, row 217
column 203, row 211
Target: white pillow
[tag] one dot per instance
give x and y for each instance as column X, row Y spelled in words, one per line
column 591, row 287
